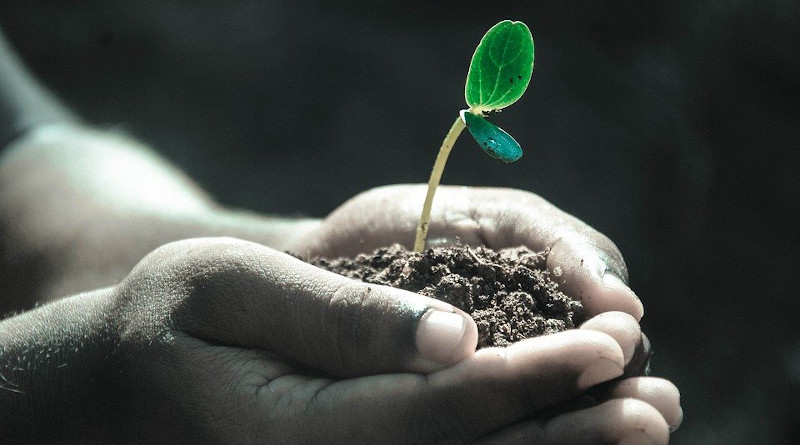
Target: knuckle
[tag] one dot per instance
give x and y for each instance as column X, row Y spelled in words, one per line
column 594, row 251
column 609, row 250
column 177, row 283
column 350, row 328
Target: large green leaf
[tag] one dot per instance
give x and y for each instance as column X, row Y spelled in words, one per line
column 501, row 67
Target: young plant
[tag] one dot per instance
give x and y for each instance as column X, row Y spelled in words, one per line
column 498, row 75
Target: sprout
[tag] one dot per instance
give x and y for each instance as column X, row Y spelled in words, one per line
column 499, row 74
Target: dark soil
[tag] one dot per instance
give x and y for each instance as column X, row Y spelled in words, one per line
column 509, row 293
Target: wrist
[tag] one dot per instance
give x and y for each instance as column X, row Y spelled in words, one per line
column 56, row 363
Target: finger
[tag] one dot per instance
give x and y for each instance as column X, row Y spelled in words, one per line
column 659, row 393
column 494, row 388
column 521, row 380
column 247, row 295
column 620, row 421
column 623, row 328
column 593, row 275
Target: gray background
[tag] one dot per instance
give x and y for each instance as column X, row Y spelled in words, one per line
column 673, row 127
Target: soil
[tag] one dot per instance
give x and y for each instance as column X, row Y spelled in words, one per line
column 509, row 293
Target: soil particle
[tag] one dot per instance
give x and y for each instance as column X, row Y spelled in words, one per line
column 509, row 293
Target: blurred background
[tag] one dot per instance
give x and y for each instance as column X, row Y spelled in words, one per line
column 673, row 127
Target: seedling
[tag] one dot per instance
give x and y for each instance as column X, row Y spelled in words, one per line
column 499, row 74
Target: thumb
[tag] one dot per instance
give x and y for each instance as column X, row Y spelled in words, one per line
column 251, row 296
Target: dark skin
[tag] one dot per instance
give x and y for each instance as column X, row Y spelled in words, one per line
column 175, row 334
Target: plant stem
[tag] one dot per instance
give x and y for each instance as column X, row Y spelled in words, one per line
column 433, row 182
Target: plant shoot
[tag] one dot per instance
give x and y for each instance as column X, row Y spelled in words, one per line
column 499, row 74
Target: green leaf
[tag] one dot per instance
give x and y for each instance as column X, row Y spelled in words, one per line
column 501, row 67
column 491, row 138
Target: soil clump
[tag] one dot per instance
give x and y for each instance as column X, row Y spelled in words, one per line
column 509, row 293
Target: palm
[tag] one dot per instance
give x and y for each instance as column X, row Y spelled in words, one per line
column 483, row 395
column 389, row 215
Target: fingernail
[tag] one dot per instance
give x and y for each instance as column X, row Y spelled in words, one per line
column 639, row 364
column 440, row 335
column 602, row 370
column 612, row 281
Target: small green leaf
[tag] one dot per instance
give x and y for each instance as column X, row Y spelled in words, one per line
column 491, row 138
column 501, row 67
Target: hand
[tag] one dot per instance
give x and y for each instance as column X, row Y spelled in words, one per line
column 586, row 264
column 228, row 341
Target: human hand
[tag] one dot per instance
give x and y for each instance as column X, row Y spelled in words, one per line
column 586, row 264
column 228, row 341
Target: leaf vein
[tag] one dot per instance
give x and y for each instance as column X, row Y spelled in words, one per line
column 499, row 66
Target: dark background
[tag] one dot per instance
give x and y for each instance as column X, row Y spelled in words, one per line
column 673, row 127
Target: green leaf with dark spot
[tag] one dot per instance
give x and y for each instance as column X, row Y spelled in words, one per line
column 501, row 67
column 491, row 138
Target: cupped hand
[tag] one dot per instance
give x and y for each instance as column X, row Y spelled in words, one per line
column 586, row 264
column 228, row 341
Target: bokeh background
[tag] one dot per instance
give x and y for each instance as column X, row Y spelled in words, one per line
column 671, row 126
